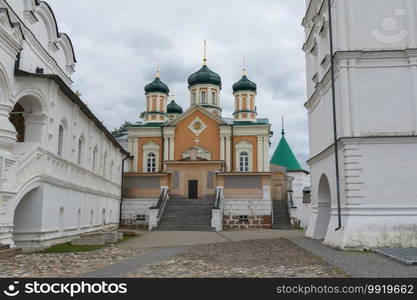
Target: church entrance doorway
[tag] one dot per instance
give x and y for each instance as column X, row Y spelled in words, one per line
column 192, row 189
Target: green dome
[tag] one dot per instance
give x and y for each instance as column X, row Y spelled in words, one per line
column 204, row 76
column 157, row 86
column 244, row 84
column 174, row 108
column 284, row 156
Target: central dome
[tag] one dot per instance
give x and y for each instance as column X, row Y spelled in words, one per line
column 204, row 76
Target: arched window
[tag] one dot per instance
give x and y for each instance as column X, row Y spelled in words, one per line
column 244, row 162
column 80, row 151
column 213, row 97
column 61, row 219
column 91, row 218
column 60, row 140
column 111, row 170
column 95, row 152
column 151, row 163
column 194, row 98
column 104, row 164
column 203, row 97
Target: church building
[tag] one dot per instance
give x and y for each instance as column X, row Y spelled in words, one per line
column 198, row 153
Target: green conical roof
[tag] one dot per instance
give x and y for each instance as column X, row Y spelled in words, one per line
column 284, row 156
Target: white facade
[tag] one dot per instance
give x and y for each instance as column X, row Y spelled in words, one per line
column 300, row 212
column 375, row 45
column 63, row 177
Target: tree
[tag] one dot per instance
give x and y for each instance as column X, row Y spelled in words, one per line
column 122, row 129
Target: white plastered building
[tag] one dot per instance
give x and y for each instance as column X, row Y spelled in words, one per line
column 60, row 169
column 375, row 62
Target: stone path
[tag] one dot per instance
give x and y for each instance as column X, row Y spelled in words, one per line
column 357, row 264
column 65, row 264
column 121, row 268
column 268, row 258
column 155, row 239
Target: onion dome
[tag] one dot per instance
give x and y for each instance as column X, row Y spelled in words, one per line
column 174, row 108
column 157, row 86
column 204, row 76
column 244, row 84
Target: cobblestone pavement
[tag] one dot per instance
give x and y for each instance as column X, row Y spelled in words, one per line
column 256, row 258
column 357, row 264
column 65, row 264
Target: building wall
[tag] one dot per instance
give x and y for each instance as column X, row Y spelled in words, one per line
column 193, row 171
column 49, row 103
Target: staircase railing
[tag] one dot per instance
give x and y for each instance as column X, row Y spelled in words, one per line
column 217, row 211
column 156, row 211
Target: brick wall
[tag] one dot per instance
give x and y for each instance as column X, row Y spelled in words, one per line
column 253, row 222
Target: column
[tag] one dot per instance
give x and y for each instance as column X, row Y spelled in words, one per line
column 7, row 132
column 172, row 148
column 135, row 152
column 260, row 155
column 166, row 148
column 222, row 149
column 228, row 154
column 266, row 154
column 413, row 88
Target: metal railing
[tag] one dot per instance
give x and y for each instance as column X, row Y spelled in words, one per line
column 163, row 197
column 217, row 200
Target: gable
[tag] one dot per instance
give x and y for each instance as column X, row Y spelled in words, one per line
column 197, row 129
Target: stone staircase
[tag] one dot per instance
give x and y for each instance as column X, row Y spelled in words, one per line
column 187, row 215
column 6, row 251
column 281, row 215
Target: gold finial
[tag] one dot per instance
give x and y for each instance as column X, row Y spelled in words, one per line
column 158, row 73
column 244, row 66
column 205, row 53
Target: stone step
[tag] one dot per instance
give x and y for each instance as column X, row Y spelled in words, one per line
column 9, row 252
column 184, row 228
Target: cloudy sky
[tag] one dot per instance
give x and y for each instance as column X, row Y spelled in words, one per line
column 118, row 43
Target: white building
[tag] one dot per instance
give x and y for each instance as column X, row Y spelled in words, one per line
column 60, row 169
column 375, row 61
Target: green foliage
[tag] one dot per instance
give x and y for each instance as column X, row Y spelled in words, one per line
column 68, row 247
column 119, row 131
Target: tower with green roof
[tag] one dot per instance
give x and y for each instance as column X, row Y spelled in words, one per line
column 285, row 157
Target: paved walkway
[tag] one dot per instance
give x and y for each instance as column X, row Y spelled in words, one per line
column 132, row 264
column 357, row 264
column 155, row 239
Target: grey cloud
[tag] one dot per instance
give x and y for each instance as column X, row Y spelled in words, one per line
column 117, row 49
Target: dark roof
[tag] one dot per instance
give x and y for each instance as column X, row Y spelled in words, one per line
column 204, row 76
column 174, row 108
column 244, row 84
column 157, row 86
column 259, row 121
column 74, row 98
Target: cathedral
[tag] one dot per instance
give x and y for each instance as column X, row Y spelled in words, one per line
column 201, row 159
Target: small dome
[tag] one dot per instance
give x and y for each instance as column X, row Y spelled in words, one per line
column 244, row 84
column 204, row 76
column 157, row 86
column 174, row 108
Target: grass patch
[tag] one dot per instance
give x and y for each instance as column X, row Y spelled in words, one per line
column 68, row 247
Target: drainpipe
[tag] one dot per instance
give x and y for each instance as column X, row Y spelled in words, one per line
column 336, row 155
column 122, row 187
